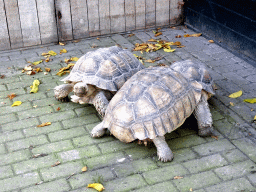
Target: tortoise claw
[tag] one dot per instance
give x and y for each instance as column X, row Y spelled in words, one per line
column 64, row 99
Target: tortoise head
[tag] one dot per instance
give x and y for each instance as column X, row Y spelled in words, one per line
column 195, row 72
column 82, row 89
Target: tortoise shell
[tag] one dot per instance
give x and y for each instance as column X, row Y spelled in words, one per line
column 106, row 68
column 151, row 103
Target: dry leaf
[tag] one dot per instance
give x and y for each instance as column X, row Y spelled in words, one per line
column 169, row 50
column 84, row 169
column 11, row 96
column 186, row 35
column 178, row 177
column 211, row 41
column 47, row 59
column 38, row 69
column 58, row 109
column 250, row 100
column 193, row 35
column 47, row 69
column 178, row 36
column 150, row 61
column 2, row 76
column 63, row 51
column 97, row 186
column 98, row 38
column 55, row 164
column 64, row 70
column 74, row 58
column 190, row 189
column 231, row 103
column 152, row 40
column 214, row 137
column 31, row 73
column 130, row 35
column 44, row 124
column 254, row 119
column 16, row 103
column 158, row 33
column 236, row 94
column 76, row 41
column 60, row 43
column 52, row 53
column 35, row 86
column 37, row 62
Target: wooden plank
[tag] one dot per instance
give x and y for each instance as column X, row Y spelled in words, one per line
column 130, row 15
column 150, row 13
column 13, row 20
column 64, row 20
column 176, row 12
column 47, row 21
column 4, row 36
column 104, row 17
column 117, row 18
column 29, row 22
column 79, row 19
column 162, row 12
column 93, row 17
column 140, row 6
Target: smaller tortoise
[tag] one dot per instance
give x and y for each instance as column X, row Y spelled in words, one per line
column 97, row 75
column 156, row 101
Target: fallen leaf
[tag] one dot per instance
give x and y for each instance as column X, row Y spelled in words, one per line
column 98, row 38
column 35, row 86
column 16, row 103
column 38, row 70
column 186, row 35
column 254, row 119
column 47, row 69
column 178, row 36
column 169, row 50
column 37, row 62
column 211, row 41
column 214, row 137
column 52, row 53
column 64, row 70
column 152, row 40
column 236, row 94
column 97, row 186
column 55, row 164
column 31, row 73
column 250, row 100
column 178, row 177
column 193, row 35
column 84, row 169
column 231, row 103
column 63, row 51
column 76, row 41
column 44, row 124
column 74, row 58
column 11, row 96
column 27, row 68
column 190, row 189
column 35, row 106
column 94, row 46
column 130, row 35
column 2, row 76
column 150, row 61
column 58, row 109
column 60, row 43
column 158, row 33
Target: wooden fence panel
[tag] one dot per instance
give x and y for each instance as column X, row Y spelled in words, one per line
column 29, row 22
column 79, row 19
column 175, row 11
column 64, row 24
column 162, row 12
column 4, row 37
column 140, row 14
column 13, row 20
column 104, row 17
column 93, row 17
column 47, row 21
column 117, row 17
column 130, row 15
column 150, row 13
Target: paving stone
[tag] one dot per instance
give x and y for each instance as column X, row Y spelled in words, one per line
column 62, row 170
column 7, row 118
column 57, row 185
column 74, row 122
column 247, row 146
column 85, row 111
column 241, row 184
column 34, row 164
column 195, row 181
column 79, row 153
column 126, row 184
column 21, row 124
column 6, row 171
column 165, row 173
column 30, row 97
column 104, row 160
column 32, row 131
column 9, row 109
column 14, row 157
column 10, row 136
column 84, row 179
column 83, row 141
column 234, row 155
column 66, row 134
column 166, row 186
column 141, row 151
column 252, row 178
column 114, row 146
column 2, row 88
column 46, row 102
column 35, row 112
column 236, row 170
column 19, row 181
column 53, row 147
column 2, row 149
column 58, row 116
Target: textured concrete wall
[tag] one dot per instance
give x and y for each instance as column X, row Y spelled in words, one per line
column 32, row 22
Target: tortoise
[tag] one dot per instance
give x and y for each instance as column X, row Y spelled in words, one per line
column 97, row 75
column 156, row 101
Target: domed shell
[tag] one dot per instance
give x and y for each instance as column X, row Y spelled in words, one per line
column 151, row 103
column 106, row 68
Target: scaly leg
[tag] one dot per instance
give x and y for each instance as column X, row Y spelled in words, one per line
column 98, row 130
column 164, row 153
column 203, row 116
column 100, row 102
column 61, row 92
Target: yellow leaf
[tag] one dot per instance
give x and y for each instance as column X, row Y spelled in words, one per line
column 152, row 40
column 74, row 58
column 63, row 51
column 16, row 103
column 196, row 35
column 37, row 62
column 64, row 70
column 84, row 169
column 250, row 100
column 177, row 177
column 52, row 53
column 169, row 50
column 35, row 86
column 97, row 186
column 211, row 41
column 236, row 94
column 44, row 124
column 150, row 61
column 60, row 43
column 47, row 69
column 232, row 104
column 158, row 33
column 254, row 119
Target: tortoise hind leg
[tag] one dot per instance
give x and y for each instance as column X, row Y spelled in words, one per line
column 98, row 130
column 164, row 153
column 61, row 92
column 204, row 117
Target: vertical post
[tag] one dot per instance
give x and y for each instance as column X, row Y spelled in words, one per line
column 117, row 17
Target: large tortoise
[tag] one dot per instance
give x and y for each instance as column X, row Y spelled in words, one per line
column 97, row 75
column 156, row 101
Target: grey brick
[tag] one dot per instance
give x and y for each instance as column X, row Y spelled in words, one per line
column 19, row 181
column 14, row 157
column 113, row 146
column 2, row 149
column 187, row 141
column 247, row 146
column 9, row 109
column 21, row 124
column 234, row 155
column 53, row 147
column 6, row 171
column 57, row 185
column 55, row 126
column 241, row 184
column 66, row 134
column 7, row 118
column 83, row 141
column 84, row 120
column 10, row 136
column 166, row 186
column 2, row 88
column 35, row 112
column 251, row 78
column 58, row 116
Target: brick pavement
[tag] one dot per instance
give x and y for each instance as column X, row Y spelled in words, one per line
column 205, row 164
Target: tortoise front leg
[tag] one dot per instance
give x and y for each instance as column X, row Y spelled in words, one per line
column 164, row 153
column 61, row 92
column 98, row 130
column 100, row 102
column 203, row 116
